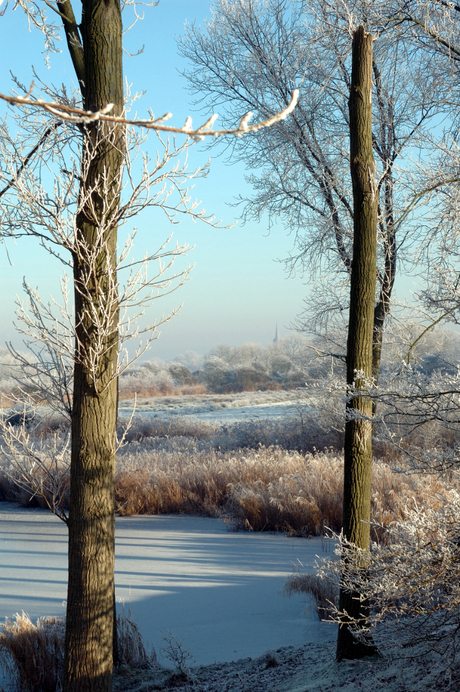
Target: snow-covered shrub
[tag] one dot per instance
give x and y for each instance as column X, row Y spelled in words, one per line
column 146, row 381
column 250, row 367
column 216, row 372
column 156, row 378
column 181, row 375
column 411, row 577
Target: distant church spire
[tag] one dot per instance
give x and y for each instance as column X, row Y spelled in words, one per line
column 277, row 336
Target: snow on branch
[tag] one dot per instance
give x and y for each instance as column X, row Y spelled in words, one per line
column 82, row 117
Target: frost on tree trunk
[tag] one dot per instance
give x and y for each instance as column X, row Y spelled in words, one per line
column 90, row 603
column 358, row 430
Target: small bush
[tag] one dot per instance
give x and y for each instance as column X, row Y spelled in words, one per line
column 180, row 657
column 157, row 378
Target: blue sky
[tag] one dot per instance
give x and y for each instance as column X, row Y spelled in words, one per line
column 237, row 291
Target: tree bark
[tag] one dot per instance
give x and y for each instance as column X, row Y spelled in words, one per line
column 90, row 601
column 358, row 428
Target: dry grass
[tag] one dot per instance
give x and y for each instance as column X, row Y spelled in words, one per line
column 33, row 655
column 324, row 593
column 145, row 427
column 131, row 646
column 258, row 476
column 268, row 489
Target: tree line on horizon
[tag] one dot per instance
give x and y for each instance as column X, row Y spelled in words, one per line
column 294, row 362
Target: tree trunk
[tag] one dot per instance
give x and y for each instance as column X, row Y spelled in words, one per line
column 90, row 601
column 358, row 428
column 387, row 150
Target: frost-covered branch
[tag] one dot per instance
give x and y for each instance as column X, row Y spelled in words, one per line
column 82, row 117
column 39, row 466
column 128, row 286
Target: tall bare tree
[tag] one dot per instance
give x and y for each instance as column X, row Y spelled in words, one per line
column 95, row 191
column 90, row 595
column 358, row 426
column 253, row 53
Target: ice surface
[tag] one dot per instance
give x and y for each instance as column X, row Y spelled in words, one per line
column 219, row 592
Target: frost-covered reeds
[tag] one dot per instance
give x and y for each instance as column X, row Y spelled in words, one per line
column 268, row 488
column 257, row 476
column 33, row 654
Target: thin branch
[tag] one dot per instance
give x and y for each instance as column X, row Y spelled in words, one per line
column 29, row 156
column 80, row 116
column 426, row 330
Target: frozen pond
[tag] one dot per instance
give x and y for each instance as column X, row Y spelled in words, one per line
column 217, row 591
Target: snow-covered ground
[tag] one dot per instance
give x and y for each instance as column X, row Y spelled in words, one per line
column 220, row 408
column 219, row 592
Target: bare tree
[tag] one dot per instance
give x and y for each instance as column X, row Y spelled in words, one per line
column 94, row 193
column 358, row 426
column 251, row 55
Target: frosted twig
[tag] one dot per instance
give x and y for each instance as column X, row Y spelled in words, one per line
column 82, row 117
